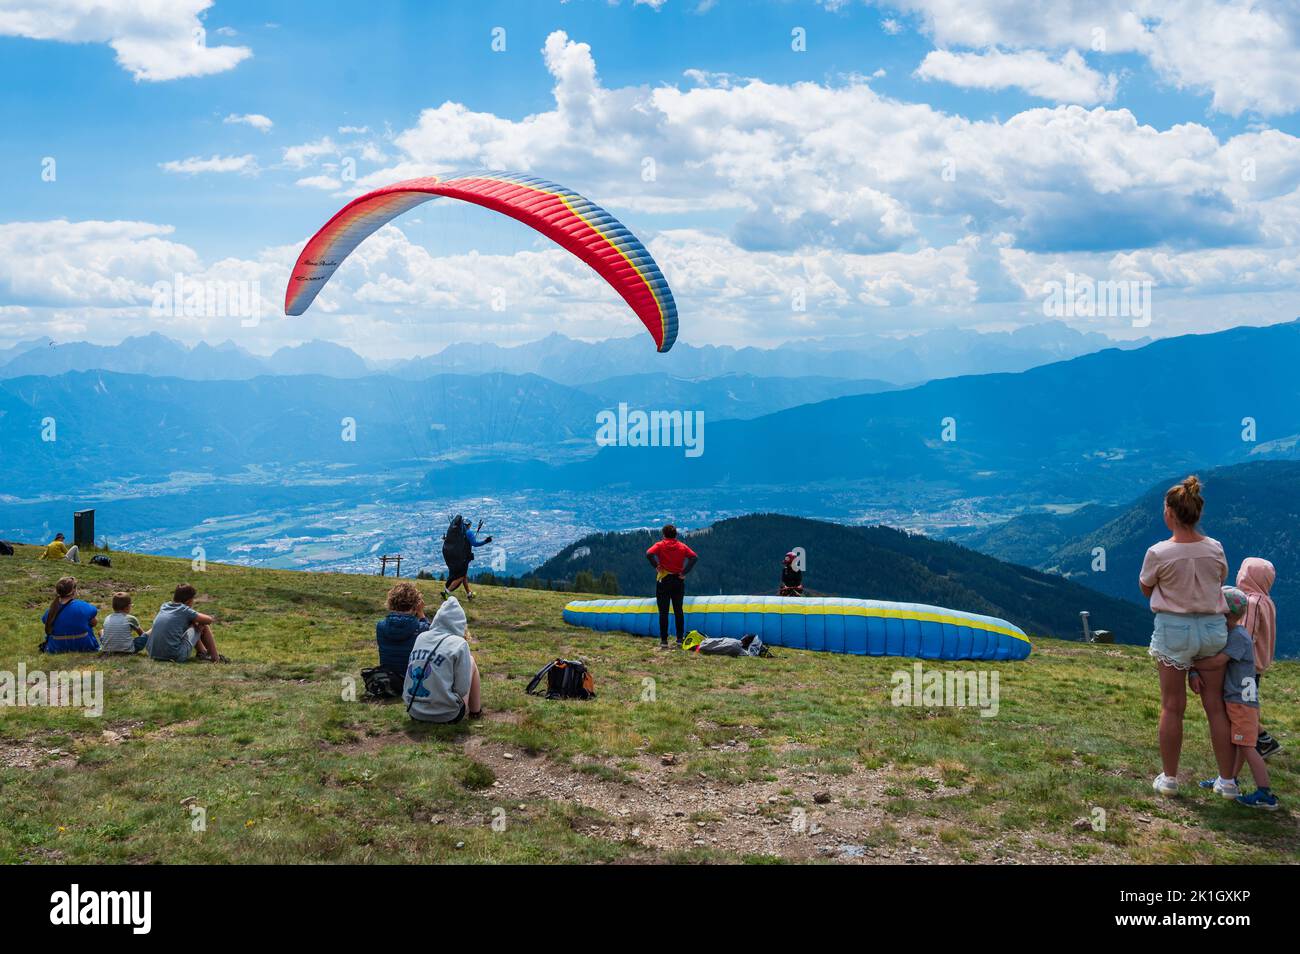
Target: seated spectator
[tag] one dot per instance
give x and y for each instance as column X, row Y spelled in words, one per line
column 58, row 550
column 122, row 632
column 179, row 628
column 69, row 622
column 442, row 683
column 396, row 632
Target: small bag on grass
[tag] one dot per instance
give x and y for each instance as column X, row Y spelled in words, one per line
column 565, row 679
column 379, row 684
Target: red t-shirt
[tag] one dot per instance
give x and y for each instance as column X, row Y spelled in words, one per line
column 672, row 555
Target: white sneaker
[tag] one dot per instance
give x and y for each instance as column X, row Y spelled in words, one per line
column 1165, row 785
column 1227, row 787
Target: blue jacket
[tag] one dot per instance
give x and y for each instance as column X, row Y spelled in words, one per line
column 396, row 635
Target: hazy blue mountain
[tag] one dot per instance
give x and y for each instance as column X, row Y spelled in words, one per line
column 153, row 354
column 1030, row 539
column 13, row 351
column 116, row 427
column 743, row 555
column 318, row 357
column 899, row 360
column 725, row 397
column 1091, row 428
column 871, row 358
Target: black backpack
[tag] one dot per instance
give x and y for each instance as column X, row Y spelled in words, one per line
column 455, row 543
column 380, row 684
column 100, row 560
column 6, row 549
column 565, row 679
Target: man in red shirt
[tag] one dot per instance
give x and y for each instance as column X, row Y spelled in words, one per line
column 672, row 560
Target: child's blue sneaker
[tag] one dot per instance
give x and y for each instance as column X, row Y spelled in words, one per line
column 1260, row 799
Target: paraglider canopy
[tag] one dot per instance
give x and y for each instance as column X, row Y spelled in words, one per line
column 562, row 215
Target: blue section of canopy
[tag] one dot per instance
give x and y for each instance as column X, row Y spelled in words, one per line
column 826, row 624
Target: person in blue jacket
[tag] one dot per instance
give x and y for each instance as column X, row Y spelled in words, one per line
column 457, row 552
column 396, row 632
column 69, row 622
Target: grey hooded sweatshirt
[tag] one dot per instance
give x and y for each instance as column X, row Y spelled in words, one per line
column 439, row 670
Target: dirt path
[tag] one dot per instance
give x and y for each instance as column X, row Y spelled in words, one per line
column 797, row 816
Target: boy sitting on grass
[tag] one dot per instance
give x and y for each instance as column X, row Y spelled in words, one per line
column 179, row 628
column 122, row 632
column 1241, row 695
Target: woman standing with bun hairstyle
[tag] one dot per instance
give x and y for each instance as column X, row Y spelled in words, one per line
column 1183, row 577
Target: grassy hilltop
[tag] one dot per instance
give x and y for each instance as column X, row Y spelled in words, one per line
column 801, row 757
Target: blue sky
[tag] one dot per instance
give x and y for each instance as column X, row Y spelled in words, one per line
column 816, row 174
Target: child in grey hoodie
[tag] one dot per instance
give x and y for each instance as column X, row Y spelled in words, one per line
column 442, row 682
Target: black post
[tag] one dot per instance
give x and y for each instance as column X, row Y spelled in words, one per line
column 83, row 529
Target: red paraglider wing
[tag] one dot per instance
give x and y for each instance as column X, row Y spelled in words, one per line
column 562, row 215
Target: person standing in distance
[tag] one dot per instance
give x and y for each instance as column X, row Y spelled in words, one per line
column 672, row 560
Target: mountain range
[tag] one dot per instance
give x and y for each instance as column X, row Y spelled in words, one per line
column 912, row 359
column 1090, row 429
column 135, row 427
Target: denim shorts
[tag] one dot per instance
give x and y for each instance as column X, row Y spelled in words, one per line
column 1178, row 638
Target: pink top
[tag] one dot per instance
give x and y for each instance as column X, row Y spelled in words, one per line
column 1255, row 579
column 1187, row 577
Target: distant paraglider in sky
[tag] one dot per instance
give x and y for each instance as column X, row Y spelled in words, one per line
column 562, row 215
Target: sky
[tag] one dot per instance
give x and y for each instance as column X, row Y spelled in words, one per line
column 797, row 169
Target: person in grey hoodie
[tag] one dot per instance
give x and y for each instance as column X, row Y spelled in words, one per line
column 442, row 682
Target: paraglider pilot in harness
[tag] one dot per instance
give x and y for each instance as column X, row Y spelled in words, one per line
column 791, row 576
column 458, row 550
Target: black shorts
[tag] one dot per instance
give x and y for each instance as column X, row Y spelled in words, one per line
column 456, row 570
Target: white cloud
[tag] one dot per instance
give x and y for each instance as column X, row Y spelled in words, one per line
column 1067, row 79
column 1244, row 53
column 841, row 166
column 302, row 155
column 87, row 263
column 326, row 183
column 154, row 41
column 245, row 165
column 256, row 120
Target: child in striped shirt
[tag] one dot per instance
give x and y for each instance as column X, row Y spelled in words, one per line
column 122, row 632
